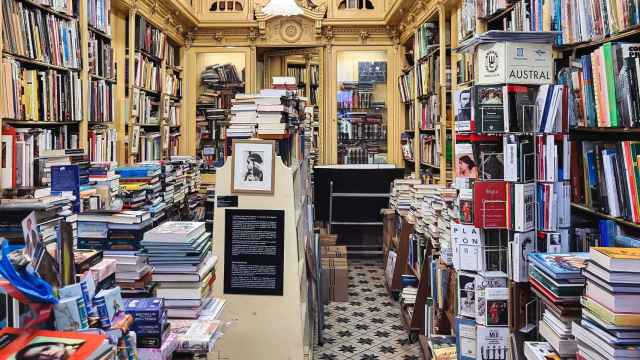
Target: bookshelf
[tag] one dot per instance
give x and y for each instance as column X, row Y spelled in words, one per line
column 42, row 96
column 154, row 90
column 425, row 88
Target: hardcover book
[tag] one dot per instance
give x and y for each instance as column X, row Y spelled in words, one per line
column 149, row 310
column 18, row 344
column 109, row 304
column 465, row 206
column 70, row 314
column 524, row 206
column 491, row 204
column 488, row 108
column 560, row 265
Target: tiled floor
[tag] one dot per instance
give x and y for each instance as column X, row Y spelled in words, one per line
column 368, row 327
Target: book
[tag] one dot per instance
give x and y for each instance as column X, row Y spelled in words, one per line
column 490, row 204
column 108, row 303
column 560, row 265
column 200, row 337
column 466, row 338
column 169, row 231
column 75, row 345
column 602, row 312
column 70, row 314
column 616, row 259
column 492, row 341
column 539, row 351
column 488, row 108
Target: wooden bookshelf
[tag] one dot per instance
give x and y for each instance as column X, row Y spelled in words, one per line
column 585, row 209
column 172, row 49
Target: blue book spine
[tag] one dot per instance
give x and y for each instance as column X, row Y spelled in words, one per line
column 101, row 306
column 82, row 310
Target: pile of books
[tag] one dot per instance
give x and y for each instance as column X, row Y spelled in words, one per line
column 118, row 236
column 271, row 119
column 141, row 188
column 243, row 116
column 610, row 325
column 105, row 181
column 401, row 194
column 180, row 253
column 557, row 280
column 149, row 322
column 219, row 76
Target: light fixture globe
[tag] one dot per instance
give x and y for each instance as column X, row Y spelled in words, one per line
column 282, row 8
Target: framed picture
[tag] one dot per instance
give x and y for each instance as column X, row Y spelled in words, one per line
column 253, row 166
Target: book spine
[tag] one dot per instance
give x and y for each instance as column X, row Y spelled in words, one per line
column 103, row 313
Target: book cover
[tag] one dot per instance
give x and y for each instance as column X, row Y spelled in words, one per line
column 200, row 337
column 16, row 344
column 466, row 338
column 70, row 314
column 560, row 265
column 465, row 206
column 491, row 204
column 463, row 110
column 492, row 342
column 491, row 293
column 519, row 108
column 488, row 108
column 524, row 207
column 521, row 246
column 466, row 164
column 490, row 161
column 466, row 294
column 467, row 247
column 109, row 304
column 149, row 310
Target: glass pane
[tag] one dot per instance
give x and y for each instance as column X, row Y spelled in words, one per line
column 220, row 76
column 362, row 108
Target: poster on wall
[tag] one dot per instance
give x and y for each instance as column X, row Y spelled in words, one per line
column 254, row 252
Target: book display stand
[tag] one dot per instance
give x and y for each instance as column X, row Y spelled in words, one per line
column 281, row 326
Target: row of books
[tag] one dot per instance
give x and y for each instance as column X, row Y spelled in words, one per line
column 147, row 108
column 356, row 95
column 172, row 58
column 147, row 74
column 220, row 76
column 583, row 22
column 405, row 86
column 607, row 177
column 149, row 39
column 101, row 102
column 102, row 145
column 39, row 35
column 101, row 57
column 604, row 87
column 299, row 73
column 40, row 95
column 173, row 85
column 512, row 108
column 427, row 37
column 175, row 113
column 22, row 146
column 99, row 15
column 428, row 76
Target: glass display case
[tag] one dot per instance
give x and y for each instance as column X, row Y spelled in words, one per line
column 362, row 107
column 220, row 76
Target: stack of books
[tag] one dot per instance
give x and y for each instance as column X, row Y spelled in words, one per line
column 401, row 195
column 118, row 236
column 105, row 181
column 539, row 351
column 183, row 265
column 141, row 188
column 557, row 280
column 270, row 117
column 610, row 325
column 243, row 116
column 149, row 322
column 284, row 83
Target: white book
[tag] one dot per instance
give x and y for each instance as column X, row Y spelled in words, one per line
column 521, row 246
column 176, row 231
column 524, row 206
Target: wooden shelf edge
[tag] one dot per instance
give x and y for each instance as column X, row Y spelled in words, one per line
column 588, row 210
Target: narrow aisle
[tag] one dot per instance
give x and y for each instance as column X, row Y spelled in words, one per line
column 368, row 327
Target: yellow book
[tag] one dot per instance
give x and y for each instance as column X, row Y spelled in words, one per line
column 134, row 186
column 618, row 319
column 619, row 252
column 616, row 259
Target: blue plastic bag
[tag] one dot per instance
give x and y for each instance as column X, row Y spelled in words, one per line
column 26, row 281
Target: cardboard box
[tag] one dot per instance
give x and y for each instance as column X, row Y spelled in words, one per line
column 335, row 280
column 328, row 239
column 514, row 63
column 334, row 252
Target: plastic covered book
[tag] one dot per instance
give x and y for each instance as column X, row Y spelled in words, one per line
column 560, row 265
column 54, row 345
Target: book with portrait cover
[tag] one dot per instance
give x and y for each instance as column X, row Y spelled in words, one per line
column 54, row 345
column 491, row 202
column 488, row 109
